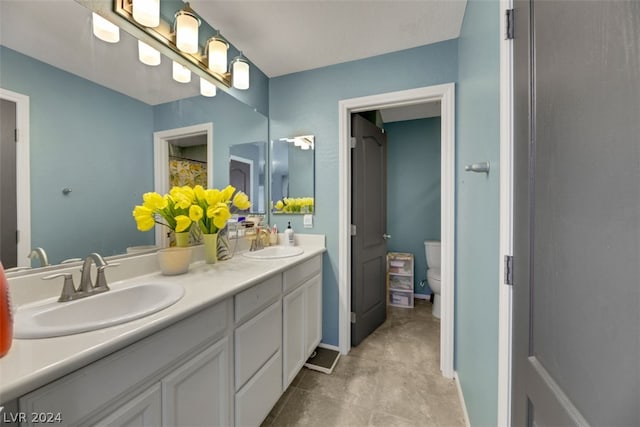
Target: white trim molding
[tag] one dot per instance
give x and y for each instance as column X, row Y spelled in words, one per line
column 467, row 422
column 506, row 219
column 161, row 142
column 444, row 93
column 23, row 174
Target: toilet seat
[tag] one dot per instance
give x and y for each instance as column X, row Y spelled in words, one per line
column 433, row 273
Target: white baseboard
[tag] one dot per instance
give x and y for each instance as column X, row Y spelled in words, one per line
column 329, row 346
column 461, row 397
column 422, row 296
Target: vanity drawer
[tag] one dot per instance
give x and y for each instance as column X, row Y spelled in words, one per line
column 297, row 275
column 256, row 341
column 250, row 301
column 255, row 400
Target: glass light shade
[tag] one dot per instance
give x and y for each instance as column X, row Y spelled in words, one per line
column 217, row 55
column 187, row 32
column 181, row 73
column 207, row 88
column 305, row 147
column 105, row 30
column 147, row 54
column 147, row 12
column 240, row 73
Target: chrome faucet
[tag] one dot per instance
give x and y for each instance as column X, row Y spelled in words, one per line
column 86, row 286
column 41, row 255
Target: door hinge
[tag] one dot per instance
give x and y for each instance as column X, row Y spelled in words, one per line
column 508, row 270
column 353, row 229
column 15, row 135
column 353, row 142
column 509, row 18
column 353, row 318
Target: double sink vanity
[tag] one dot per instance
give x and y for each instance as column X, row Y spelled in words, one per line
column 215, row 346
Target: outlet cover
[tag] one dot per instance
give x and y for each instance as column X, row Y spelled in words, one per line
column 308, row 221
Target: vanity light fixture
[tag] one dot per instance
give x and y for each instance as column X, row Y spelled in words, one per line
column 179, row 40
column 147, row 54
column 216, row 52
column 240, row 72
column 181, row 74
column 207, row 88
column 105, row 30
column 186, row 27
column 146, row 12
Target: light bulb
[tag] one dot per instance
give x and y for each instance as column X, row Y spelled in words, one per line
column 187, row 32
column 240, row 73
column 105, row 30
column 147, row 12
column 217, row 55
column 207, row 88
column 181, row 73
column 147, row 54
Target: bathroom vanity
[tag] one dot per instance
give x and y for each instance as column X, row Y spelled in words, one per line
column 222, row 355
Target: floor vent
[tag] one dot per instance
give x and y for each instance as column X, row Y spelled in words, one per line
column 323, row 360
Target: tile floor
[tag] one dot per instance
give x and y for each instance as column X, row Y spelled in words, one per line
column 391, row 379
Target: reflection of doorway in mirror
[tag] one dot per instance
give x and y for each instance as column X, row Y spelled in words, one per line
column 15, row 194
column 241, row 175
column 190, row 143
column 8, row 207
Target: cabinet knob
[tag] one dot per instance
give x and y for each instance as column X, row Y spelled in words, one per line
column 386, row 236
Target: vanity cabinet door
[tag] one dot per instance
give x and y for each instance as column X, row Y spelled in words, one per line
column 313, row 314
column 145, row 410
column 197, row 393
column 293, row 313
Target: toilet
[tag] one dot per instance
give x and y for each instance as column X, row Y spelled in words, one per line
column 432, row 253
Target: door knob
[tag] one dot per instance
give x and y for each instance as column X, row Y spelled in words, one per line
column 386, row 236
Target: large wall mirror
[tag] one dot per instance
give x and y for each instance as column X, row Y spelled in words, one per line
column 293, row 175
column 93, row 112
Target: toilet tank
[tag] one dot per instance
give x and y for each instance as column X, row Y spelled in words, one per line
column 432, row 252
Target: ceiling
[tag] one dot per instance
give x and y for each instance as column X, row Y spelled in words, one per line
column 278, row 36
column 287, row 36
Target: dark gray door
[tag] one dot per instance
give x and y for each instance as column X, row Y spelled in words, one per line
column 576, row 338
column 240, row 176
column 369, row 215
column 8, row 206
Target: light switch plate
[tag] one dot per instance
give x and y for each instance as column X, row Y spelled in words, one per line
column 308, row 221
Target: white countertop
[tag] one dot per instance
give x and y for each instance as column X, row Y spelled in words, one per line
column 33, row 363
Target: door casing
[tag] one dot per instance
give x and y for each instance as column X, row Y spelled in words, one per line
column 444, row 93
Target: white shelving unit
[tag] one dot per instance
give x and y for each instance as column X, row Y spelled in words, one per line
column 400, row 279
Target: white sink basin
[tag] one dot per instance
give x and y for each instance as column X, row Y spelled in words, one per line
column 273, row 252
column 53, row 318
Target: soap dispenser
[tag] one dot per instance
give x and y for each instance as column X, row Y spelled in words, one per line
column 288, row 235
column 6, row 321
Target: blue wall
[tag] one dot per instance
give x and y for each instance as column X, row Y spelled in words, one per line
column 307, row 103
column 91, row 139
column 413, row 189
column 477, row 211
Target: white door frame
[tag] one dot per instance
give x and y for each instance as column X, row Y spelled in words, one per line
column 23, row 174
column 506, row 219
column 444, row 93
column 161, row 142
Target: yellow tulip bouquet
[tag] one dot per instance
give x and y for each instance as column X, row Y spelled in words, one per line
column 295, row 205
column 174, row 210
column 184, row 206
column 212, row 207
